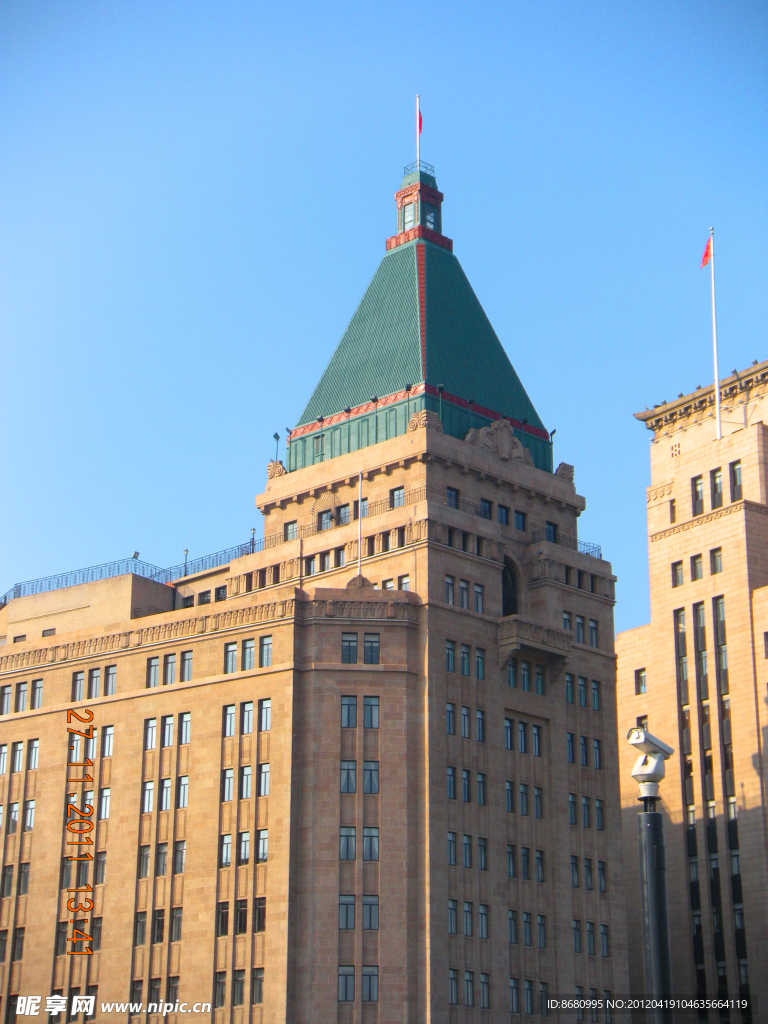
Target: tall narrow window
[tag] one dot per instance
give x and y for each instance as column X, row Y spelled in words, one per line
column 734, row 472
column 265, row 651
column 349, row 648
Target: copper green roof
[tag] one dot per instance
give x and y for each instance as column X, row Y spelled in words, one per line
column 386, row 347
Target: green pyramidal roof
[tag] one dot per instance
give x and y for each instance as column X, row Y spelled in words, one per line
column 385, row 347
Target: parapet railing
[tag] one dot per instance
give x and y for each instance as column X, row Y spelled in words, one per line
column 341, row 516
column 582, row 546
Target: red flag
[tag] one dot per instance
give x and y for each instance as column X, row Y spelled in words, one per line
column 707, row 254
column 419, row 122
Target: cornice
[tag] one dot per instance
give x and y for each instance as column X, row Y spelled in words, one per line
column 727, row 510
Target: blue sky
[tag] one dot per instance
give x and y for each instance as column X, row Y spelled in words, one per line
column 194, row 196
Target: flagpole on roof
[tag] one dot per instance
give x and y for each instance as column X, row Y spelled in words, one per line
column 714, row 333
column 418, row 154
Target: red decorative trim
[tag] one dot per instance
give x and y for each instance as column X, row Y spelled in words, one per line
column 420, row 259
column 490, row 414
column 420, row 232
column 419, row 186
column 341, row 417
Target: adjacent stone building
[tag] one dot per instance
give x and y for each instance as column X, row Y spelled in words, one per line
column 697, row 675
column 366, row 768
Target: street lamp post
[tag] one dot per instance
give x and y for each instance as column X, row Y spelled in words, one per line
column 649, row 771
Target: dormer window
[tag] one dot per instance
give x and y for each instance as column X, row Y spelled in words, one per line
column 409, row 216
column 430, row 216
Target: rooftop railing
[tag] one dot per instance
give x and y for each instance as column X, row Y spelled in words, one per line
column 341, row 516
column 419, row 165
column 582, row 546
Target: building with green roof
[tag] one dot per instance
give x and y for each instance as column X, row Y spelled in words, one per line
column 420, row 339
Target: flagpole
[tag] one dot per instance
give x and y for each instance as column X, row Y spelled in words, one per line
column 714, row 334
column 360, row 526
column 418, row 154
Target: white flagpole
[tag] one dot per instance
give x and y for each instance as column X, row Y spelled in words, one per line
column 360, row 527
column 418, row 140
column 714, row 333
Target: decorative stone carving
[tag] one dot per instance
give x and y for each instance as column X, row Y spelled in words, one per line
column 498, row 437
column 659, row 493
column 275, row 469
column 425, row 418
column 325, row 501
column 360, row 581
column 565, row 472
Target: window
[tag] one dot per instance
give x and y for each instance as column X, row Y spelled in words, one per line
column 158, row 926
column 370, row 843
column 604, row 940
column 346, row 843
column 585, row 816
column 153, row 672
column 229, row 720
column 677, row 574
column 524, row 799
column 538, row 802
column 143, row 861
column 397, row 497
column 348, row 777
column 716, row 560
column 186, row 666
column 403, row 583
column 179, row 856
column 463, row 593
column 542, row 923
column 230, row 658
column 485, row 508
column 101, row 868
column 33, row 752
column 596, row 755
column 349, row 648
column 593, row 632
column 245, row 782
column 227, row 783
column 579, row 629
column 262, row 845
column 537, row 744
column 468, row 919
column 147, row 797
column 540, row 679
column 574, row 871
column 166, row 734
column 23, row 879
column 466, row 732
column 482, row 854
column 104, row 801
column 346, row 913
column 185, row 727
column 347, row 983
column 21, row 695
column 260, row 914
column 481, row 799
column 370, row 776
column 483, row 921
column 595, row 695
column 264, row 779
column 7, row 888
column 182, row 792
column 265, row 651
column 452, row 497
column 467, row 845
column 371, row 649
column 602, row 880
column 219, row 988
column 571, row 808
column 452, row 917
column 450, row 656
column 640, row 682
column 370, row 913
column 599, row 823
column 469, row 988
column 479, row 598
column 290, row 530
column 525, row 675
column 522, row 737
column 451, row 849
column 510, row 790
column 77, row 686
column 225, row 851
column 480, row 725
column 450, row 719
column 734, row 472
column 244, row 848
column 480, row 663
column 370, row 712
column 140, row 928
column 696, row 567
column 465, row 659
column 248, row 655
column 584, row 751
column 576, row 936
column 511, row 861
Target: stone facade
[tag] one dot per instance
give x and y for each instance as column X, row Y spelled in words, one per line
column 697, row 674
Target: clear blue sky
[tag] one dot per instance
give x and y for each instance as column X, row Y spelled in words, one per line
column 193, row 197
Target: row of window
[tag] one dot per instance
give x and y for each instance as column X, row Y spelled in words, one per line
column 528, row 677
column 348, row 777
column 248, row 654
column 465, row 652
column 571, row 689
column 164, row 794
column 168, row 669
column 591, row 946
column 34, row 692
column 347, row 912
column 243, row 848
column 602, row 877
column 469, row 989
column 590, row 637
column 463, row 594
column 597, row 756
column 244, row 788
column 467, row 846
column 586, row 812
column 537, row 737
column 349, row 712
column 82, row 871
column 27, row 820
column 370, row 984
column 715, row 490
column 166, row 730
column 697, row 567
column 371, row 648
column 220, row 988
column 468, row 919
column 204, row 597
column 6, row 883
column 17, row 756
